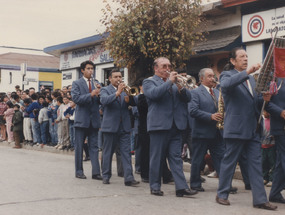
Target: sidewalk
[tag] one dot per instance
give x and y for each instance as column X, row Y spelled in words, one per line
column 186, row 166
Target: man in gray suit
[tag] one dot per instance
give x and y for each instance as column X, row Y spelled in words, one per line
column 241, row 103
column 166, row 118
column 116, row 127
column 87, row 119
column 203, row 108
column 276, row 107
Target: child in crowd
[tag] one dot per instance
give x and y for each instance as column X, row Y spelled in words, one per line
column 58, row 121
column 52, row 114
column 268, row 151
column 8, row 116
column 17, row 122
column 27, row 127
column 33, row 109
column 70, row 114
column 44, row 121
column 65, row 127
column 3, row 108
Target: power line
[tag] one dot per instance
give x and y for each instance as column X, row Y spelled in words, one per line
column 12, row 47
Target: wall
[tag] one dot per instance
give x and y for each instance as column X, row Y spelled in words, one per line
column 51, row 76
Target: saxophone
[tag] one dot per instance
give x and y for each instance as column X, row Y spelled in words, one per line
column 221, row 110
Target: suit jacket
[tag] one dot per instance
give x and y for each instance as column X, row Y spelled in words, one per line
column 241, row 108
column 201, row 107
column 115, row 110
column 275, row 107
column 87, row 109
column 165, row 104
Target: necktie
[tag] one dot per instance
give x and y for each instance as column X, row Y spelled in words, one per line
column 212, row 92
column 90, row 89
column 213, row 96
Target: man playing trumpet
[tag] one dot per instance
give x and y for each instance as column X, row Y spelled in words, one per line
column 116, row 127
column 167, row 117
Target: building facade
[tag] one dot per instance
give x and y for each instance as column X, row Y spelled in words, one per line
column 27, row 71
column 73, row 53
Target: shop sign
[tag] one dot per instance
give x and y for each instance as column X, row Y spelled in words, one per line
column 259, row 26
column 96, row 54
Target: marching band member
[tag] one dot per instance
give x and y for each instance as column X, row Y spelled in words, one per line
column 167, row 116
column 116, row 127
column 87, row 120
column 203, row 108
column 240, row 124
column 276, row 108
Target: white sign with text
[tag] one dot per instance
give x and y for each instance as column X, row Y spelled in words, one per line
column 258, row 26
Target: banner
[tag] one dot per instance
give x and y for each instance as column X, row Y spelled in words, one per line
column 279, row 62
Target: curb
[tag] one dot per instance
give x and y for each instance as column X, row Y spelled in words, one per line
column 51, row 149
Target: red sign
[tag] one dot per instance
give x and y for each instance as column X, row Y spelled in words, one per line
column 279, row 61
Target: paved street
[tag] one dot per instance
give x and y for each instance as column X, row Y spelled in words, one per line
column 35, row 182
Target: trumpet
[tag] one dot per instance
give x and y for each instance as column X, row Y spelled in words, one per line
column 95, row 82
column 188, row 82
column 130, row 91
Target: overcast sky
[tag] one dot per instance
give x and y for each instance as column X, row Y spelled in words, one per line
column 41, row 23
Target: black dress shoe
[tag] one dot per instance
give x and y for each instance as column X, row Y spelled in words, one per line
column 81, row 176
column 156, row 192
column 106, row 181
column 278, row 200
column 247, row 187
column 145, row 180
column 266, row 206
column 203, row 180
column 86, row 159
column 167, row 181
column 222, row 201
column 233, row 190
column 132, row 183
column 97, row 177
column 185, row 192
column 199, row 189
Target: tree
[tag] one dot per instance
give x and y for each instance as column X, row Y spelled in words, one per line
column 142, row 30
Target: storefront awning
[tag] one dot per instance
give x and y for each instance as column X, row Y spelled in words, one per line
column 220, row 40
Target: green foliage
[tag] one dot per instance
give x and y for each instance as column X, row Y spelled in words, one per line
column 152, row 28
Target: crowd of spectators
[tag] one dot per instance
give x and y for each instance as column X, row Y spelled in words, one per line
column 38, row 118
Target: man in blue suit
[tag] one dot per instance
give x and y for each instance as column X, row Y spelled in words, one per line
column 203, row 108
column 87, row 119
column 116, row 127
column 166, row 118
column 241, row 115
column 276, row 107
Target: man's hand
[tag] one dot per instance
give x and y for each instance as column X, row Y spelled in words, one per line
column 98, row 86
column 173, row 77
column 253, row 68
column 266, row 96
column 56, row 121
column 121, row 87
column 217, row 117
column 283, row 114
column 95, row 92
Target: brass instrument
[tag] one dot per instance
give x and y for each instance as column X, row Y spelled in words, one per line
column 130, row 91
column 221, row 110
column 188, row 82
column 95, row 82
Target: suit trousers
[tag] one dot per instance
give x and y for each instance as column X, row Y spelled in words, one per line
column 278, row 182
column 111, row 141
column 234, row 148
column 27, row 129
column 200, row 147
column 80, row 135
column 166, row 143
